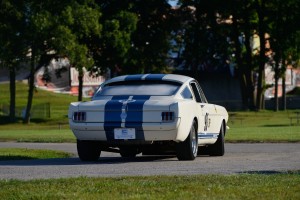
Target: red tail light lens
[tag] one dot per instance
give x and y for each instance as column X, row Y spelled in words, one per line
column 167, row 116
column 79, row 116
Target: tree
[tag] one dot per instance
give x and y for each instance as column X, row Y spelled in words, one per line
column 38, row 25
column 82, row 25
column 138, row 36
column 12, row 47
column 242, row 17
column 151, row 40
column 110, row 51
column 206, row 36
column 53, row 32
column 285, row 35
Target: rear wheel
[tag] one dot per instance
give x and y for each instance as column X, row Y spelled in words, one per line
column 188, row 149
column 218, row 149
column 88, row 150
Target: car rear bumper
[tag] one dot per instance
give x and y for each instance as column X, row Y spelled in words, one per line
column 145, row 131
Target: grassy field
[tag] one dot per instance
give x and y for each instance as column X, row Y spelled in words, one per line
column 244, row 186
column 29, row 154
column 56, row 136
column 263, row 126
column 59, row 103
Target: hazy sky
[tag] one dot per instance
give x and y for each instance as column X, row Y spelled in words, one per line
column 173, row 2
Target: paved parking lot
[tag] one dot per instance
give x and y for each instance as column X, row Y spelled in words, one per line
column 239, row 158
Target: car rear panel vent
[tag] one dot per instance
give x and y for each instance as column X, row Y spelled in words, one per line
column 167, row 116
column 79, row 116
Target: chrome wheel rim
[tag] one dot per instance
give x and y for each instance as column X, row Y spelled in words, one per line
column 194, row 142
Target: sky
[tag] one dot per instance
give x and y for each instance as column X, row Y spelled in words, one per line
column 173, row 2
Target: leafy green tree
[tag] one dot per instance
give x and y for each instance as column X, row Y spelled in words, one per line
column 111, row 49
column 78, row 25
column 241, row 14
column 12, row 46
column 136, row 36
column 36, row 29
column 151, row 40
column 285, row 38
column 260, row 7
column 59, row 30
column 205, row 38
column 209, row 28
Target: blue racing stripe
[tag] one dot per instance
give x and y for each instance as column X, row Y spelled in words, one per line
column 155, row 77
column 134, row 77
column 112, row 119
column 134, row 118
column 135, row 115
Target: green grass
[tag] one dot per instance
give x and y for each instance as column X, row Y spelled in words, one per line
column 263, row 126
column 53, row 129
column 244, row 186
column 59, row 103
column 264, row 134
column 29, row 154
column 265, row 118
column 58, row 136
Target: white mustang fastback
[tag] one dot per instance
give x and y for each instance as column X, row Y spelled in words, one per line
column 152, row 114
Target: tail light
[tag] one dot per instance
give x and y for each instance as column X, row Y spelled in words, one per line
column 79, row 116
column 167, row 116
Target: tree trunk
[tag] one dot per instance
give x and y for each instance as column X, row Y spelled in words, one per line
column 283, row 103
column 12, row 90
column 241, row 67
column 276, row 95
column 261, row 74
column 276, row 105
column 80, row 86
column 26, row 120
column 277, row 47
column 248, row 66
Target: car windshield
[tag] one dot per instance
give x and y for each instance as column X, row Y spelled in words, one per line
column 152, row 88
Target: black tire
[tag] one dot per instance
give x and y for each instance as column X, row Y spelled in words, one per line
column 188, row 149
column 88, row 150
column 218, row 149
column 128, row 152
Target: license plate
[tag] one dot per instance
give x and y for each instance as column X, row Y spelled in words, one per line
column 124, row 133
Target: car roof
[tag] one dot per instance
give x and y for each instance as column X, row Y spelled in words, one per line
column 151, row 77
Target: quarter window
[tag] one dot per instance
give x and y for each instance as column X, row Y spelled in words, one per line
column 203, row 98
column 196, row 92
column 186, row 93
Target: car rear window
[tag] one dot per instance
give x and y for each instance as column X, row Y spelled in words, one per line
column 152, row 88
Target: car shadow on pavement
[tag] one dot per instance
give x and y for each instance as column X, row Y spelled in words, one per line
column 77, row 161
column 269, row 172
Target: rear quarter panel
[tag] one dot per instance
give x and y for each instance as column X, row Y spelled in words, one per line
column 187, row 111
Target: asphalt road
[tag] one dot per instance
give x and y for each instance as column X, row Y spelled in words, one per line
column 239, row 158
